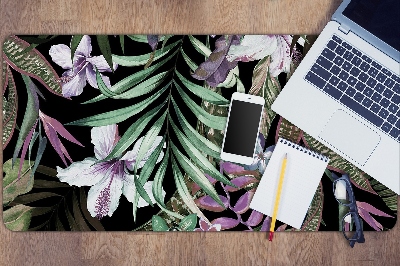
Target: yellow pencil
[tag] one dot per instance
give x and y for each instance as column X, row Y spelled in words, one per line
column 277, row 198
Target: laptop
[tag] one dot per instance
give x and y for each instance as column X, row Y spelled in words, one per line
column 346, row 90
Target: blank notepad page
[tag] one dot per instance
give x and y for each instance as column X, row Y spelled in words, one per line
column 304, row 170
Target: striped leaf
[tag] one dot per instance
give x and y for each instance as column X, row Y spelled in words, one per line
column 31, row 63
column 10, row 107
column 314, row 213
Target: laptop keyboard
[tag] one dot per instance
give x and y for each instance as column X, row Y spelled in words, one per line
column 360, row 83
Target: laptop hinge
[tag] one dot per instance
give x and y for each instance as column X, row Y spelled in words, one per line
column 344, row 29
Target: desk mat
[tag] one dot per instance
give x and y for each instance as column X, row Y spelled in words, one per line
column 123, row 132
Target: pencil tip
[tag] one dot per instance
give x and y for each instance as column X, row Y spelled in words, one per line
column 285, row 155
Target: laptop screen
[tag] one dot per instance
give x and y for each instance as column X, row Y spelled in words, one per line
column 379, row 17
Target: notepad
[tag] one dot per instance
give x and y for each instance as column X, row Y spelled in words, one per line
column 303, row 173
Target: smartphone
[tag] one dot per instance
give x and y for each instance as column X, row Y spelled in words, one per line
column 241, row 132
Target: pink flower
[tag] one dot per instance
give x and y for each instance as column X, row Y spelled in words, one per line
column 81, row 69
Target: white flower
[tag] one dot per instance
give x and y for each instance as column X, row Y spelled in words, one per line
column 81, row 68
column 256, row 47
column 108, row 179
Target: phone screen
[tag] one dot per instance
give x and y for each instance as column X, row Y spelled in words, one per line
column 241, row 134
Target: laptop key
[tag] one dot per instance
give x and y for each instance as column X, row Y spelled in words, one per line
column 383, row 113
column 356, row 61
column 336, row 38
column 388, row 93
column 328, row 54
column 334, row 80
column 394, row 132
column 351, row 81
column 355, row 51
column 396, row 99
column 396, row 78
column 386, row 127
column 346, row 66
column 364, row 66
column 389, row 82
column 361, row 110
column 332, row 91
column 396, row 88
column 317, row 69
column 363, row 77
column 355, row 71
column 343, row 75
column 376, row 65
column 338, row 60
column 381, row 77
column 332, row 44
column 375, row 108
column 379, row 88
column 373, row 72
column 348, row 55
column 335, row 70
column 385, row 102
column 359, row 97
column 366, row 59
column 398, row 123
column 314, row 79
column 342, row 86
column 350, row 91
column 391, row 119
column 360, row 86
column 346, row 45
column 371, row 82
column 393, row 108
column 367, row 102
column 340, row 50
column 368, row 91
column 322, row 61
column 376, row 97
column 386, row 71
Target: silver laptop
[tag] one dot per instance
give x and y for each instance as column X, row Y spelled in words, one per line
column 346, row 91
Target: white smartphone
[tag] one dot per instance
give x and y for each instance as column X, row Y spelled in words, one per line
column 241, row 132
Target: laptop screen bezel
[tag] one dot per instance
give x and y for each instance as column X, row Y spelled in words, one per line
column 363, row 33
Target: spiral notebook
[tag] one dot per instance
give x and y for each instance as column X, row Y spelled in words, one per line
column 303, row 173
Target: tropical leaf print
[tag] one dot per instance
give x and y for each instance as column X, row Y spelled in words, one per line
column 150, row 134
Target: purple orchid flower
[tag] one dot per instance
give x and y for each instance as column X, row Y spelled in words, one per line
column 216, row 68
column 81, row 69
column 108, row 179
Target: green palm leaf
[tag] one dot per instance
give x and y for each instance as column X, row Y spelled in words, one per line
column 141, row 60
column 119, row 115
column 217, row 122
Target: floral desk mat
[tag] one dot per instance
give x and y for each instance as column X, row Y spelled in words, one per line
column 123, row 133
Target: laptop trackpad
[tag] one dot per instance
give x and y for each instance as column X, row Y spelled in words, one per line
column 350, row 136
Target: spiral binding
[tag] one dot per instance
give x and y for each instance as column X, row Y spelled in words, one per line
column 305, row 150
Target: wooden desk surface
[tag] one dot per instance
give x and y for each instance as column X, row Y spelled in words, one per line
column 139, row 248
